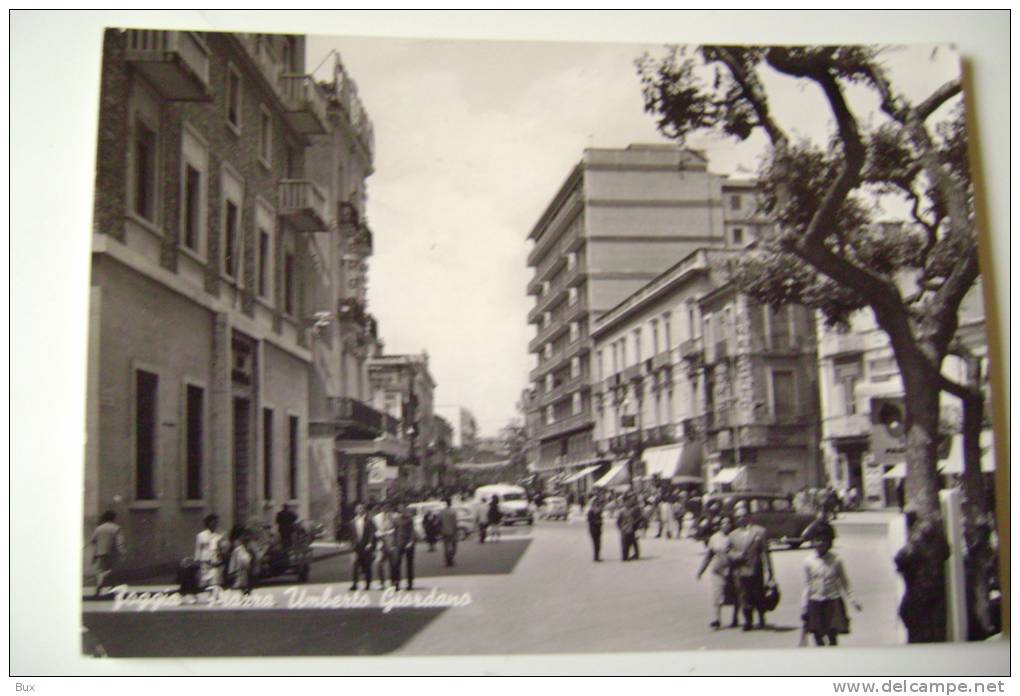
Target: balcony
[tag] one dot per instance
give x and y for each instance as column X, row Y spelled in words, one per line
column 305, row 103
column 565, row 425
column 556, row 241
column 303, row 205
column 360, row 242
column 632, row 373
column 854, row 425
column 352, row 417
column 575, row 311
column 693, row 350
column 663, row 359
column 834, row 343
column 783, row 344
column 546, row 334
column 176, row 63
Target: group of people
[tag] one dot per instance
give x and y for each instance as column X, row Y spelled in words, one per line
column 383, row 537
column 825, row 500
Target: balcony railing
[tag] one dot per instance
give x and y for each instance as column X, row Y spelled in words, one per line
column 306, row 104
column 303, row 204
column 176, row 63
column 565, row 424
column 546, row 246
column 693, row 350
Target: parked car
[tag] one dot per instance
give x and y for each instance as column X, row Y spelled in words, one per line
column 466, row 523
column 772, row 511
column 553, row 508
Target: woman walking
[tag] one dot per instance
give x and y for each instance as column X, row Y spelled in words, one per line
column 826, row 585
column 495, row 518
column 718, row 557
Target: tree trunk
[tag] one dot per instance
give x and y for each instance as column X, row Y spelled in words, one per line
column 922, row 561
column 978, row 519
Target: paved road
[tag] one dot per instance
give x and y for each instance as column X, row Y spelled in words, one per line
column 536, row 591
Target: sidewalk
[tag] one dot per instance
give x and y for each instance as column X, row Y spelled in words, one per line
column 865, row 521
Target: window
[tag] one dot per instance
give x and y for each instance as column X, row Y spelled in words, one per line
column 575, row 331
column 655, row 336
column 738, row 235
column 666, row 337
column 195, row 163
column 288, row 283
column 780, row 327
column 264, row 260
column 292, row 458
column 735, row 202
column 547, row 351
column 784, row 402
column 233, row 195
column 575, row 403
column 546, row 319
column 548, row 383
column 194, row 447
column 146, row 393
column 230, row 237
column 847, row 373
column 572, row 296
column 549, row 415
column 192, row 206
column 575, row 367
column 599, row 369
column 571, row 260
column 234, row 98
column 616, row 359
column 267, row 454
column 545, row 288
column 145, row 163
column 637, row 346
column 265, row 137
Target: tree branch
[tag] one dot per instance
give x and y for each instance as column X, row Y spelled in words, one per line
column 754, row 93
column 937, row 99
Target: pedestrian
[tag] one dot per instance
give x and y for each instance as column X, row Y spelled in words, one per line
column 482, row 519
column 679, row 509
column 448, row 530
column 719, row 557
column 826, row 585
column 404, row 538
column 384, row 529
column 364, row 541
column 209, row 552
column 751, row 560
column 108, row 548
column 240, row 567
column 851, row 498
column 629, row 522
column 495, row 518
column 285, row 520
column 430, row 525
column 595, row 525
column 664, row 512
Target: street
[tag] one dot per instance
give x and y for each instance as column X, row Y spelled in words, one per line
column 535, row 591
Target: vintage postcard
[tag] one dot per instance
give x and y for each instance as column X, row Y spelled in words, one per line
column 417, row 347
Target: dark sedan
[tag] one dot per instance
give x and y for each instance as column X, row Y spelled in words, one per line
column 772, row 511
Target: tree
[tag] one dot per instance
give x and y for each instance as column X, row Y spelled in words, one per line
column 826, row 251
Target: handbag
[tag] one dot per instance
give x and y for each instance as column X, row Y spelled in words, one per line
column 771, row 597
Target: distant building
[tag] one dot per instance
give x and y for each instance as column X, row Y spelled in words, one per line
column 403, row 389
column 697, row 384
column 464, row 424
column 620, row 219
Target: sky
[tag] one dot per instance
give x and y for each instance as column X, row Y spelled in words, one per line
column 473, row 139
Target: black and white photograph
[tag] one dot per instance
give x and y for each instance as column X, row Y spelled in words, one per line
column 431, row 347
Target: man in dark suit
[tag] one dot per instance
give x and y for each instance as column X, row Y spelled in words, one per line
column 628, row 522
column 404, row 538
column 363, row 536
column 595, row 524
column 448, row 530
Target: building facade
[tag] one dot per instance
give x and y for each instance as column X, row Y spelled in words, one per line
column 862, row 404
column 404, row 390
column 200, row 349
column 697, row 384
column 620, row 219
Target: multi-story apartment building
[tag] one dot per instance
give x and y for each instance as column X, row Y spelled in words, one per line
column 403, row 389
column 464, row 425
column 862, row 404
column 200, row 355
column 620, row 219
column 696, row 383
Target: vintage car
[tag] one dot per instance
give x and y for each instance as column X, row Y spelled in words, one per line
column 773, row 511
column 553, row 508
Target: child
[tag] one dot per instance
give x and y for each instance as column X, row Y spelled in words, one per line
column 824, row 612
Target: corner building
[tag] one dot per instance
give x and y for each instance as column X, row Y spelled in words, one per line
column 620, row 219
column 210, row 285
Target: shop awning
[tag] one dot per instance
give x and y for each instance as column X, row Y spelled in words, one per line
column 729, row 475
column 615, row 475
column 680, row 463
column 953, row 464
column 578, row 475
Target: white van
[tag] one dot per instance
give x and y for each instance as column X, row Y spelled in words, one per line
column 513, row 502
